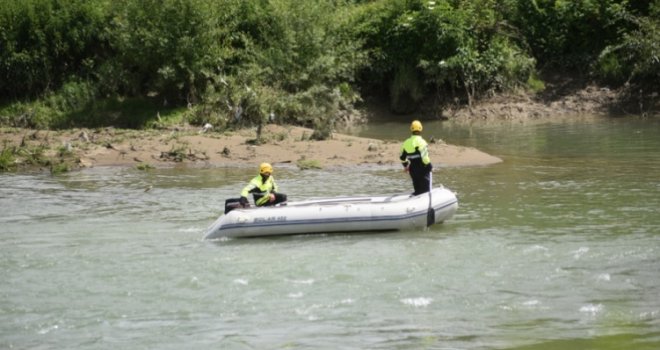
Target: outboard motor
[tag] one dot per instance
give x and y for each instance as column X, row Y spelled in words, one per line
column 231, row 204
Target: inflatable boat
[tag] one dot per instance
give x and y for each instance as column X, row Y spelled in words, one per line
column 341, row 214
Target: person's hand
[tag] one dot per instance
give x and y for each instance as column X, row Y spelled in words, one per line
column 271, row 197
column 244, row 202
column 406, row 169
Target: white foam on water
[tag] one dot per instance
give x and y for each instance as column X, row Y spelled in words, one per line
column 604, row 277
column 48, row 329
column 535, row 248
column 592, row 309
column 307, row 281
column 417, row 302
column 581, row 251
column 530, row 303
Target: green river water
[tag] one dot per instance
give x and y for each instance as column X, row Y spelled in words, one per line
column 555, row 248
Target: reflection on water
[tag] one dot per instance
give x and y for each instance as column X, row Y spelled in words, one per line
column 557, row 247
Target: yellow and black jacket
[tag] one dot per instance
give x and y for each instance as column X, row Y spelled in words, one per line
column 415, row 152
column 260, row 189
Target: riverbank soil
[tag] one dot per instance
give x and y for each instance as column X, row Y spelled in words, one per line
column 290, row 145
column 205, row 148
column 562, row 98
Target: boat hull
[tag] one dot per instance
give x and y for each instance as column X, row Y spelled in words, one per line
column 331, row 215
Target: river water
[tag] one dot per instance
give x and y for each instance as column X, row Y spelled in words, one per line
column 557, row 247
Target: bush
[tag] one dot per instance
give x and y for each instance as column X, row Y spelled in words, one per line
column 450, row 49
column 235, row 63
column 44, row 42
column 569, row 34
column 7, row 159
column 636, row 57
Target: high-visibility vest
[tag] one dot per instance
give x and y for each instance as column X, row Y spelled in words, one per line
column 415, row 147
column 260, row 189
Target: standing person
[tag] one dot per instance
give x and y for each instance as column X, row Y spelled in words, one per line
column 415, row 159
column 263, row 188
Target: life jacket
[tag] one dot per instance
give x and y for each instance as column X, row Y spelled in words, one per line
column 415, row 150
column 260, row 189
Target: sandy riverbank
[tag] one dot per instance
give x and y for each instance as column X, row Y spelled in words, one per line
column 191, row 147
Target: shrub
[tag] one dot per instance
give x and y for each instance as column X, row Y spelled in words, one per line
column 7, row 159
column 636, row 57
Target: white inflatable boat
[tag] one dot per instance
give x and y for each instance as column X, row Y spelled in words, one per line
column 342, row 214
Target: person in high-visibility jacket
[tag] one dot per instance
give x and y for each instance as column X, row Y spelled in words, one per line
column 263, row 188
column 415, row 159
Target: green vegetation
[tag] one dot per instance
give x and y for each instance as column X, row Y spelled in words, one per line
column 36, row 152
column 234, row 63
column 144, row 167
column 59, row 168
column 177, row 153
column 306, row 164
column 7, row 159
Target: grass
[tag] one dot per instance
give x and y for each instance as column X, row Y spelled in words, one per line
column 306, row 164
column 59, row 168
column 177, row 153
column 34, row 151
column 134, row 113
column 7, row 159
column 144, row 167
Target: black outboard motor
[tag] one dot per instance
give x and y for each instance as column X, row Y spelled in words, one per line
column 231, row 204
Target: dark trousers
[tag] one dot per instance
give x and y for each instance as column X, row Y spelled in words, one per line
column 420, row 179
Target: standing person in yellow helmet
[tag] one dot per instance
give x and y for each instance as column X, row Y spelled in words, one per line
column 263, row 188
column 415, row 159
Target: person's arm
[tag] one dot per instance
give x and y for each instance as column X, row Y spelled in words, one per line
column 404, row 158
column 245, row 192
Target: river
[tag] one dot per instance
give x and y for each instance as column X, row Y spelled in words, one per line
column 557, row 247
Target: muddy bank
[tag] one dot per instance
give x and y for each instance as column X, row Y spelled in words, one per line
column 284, row 145
column 291, row 146
column 563, row 98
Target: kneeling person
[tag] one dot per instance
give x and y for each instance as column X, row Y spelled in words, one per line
column 263, row 188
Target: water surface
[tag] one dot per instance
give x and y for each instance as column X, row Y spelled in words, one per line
column 558, row 247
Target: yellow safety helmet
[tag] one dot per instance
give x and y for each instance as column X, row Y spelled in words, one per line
column 265, row 168
column 416, row 126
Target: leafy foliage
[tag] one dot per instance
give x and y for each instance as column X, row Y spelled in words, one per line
column 636, row 56
column 234, row 63
column 43, row 43
column 295, row 73
column 7, row 158
column 570, row 34
column 442, row 47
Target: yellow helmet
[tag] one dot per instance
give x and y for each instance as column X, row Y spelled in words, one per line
column 416, row 126
column 265, row 168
